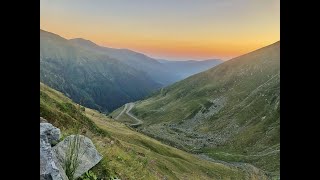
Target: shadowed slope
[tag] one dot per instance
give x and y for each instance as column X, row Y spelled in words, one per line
column 87, row 77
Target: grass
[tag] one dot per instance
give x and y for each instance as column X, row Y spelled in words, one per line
column 128, row 154
column 246, row 88
column 150, row 156
column 71, row 160
column 64, row 113
column 116, row 112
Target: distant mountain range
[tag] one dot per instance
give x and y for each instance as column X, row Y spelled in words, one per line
column 105, row 78
column 183, row 69
column 155, row 70
column 164, row 72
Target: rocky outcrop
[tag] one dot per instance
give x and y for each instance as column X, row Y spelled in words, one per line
column 42, row 120
column 49, row 169
column 53, row 154
column 49, row 132
column 88, row 155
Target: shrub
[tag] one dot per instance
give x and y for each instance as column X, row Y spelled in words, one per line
column 83, row 109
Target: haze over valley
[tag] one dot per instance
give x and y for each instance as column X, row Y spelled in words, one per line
column 159, row 90
column 106, row 78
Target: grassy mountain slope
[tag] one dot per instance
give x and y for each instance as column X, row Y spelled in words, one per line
column 127, row 153
column 230, row 112
column 93, row 79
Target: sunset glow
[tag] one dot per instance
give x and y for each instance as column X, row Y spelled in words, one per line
column 169, row 29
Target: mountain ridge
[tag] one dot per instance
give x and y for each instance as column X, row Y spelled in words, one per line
column 162, row 73
column 104, row 78
column 100, row 81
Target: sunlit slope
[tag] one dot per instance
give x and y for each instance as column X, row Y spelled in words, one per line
column 230, row 112
column 127, row 153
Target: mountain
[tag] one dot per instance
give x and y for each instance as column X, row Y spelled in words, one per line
column 190, row 67
column 128, row 154
column 230, row 112
column 163, row 72
column 106, row 78
column 139, row 61
column 95, row 80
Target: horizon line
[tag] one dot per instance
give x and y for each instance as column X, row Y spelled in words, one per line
column 153, row 56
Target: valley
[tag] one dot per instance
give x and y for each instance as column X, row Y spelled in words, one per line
column 227, row 114
column 106, row 78
column 159, row 90
column 128, row 154
column 135, row 122
column 224, row 120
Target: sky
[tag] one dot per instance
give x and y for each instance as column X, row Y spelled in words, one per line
column 167, row 29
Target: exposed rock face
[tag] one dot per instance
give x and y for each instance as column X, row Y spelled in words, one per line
column 49, row 169
column 42, row 120
column 51, row 158
column 50, row 132
column 88, row 155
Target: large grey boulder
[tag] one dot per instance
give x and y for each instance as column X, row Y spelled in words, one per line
column 87, row 154
column 49, row 132
column 49, row 168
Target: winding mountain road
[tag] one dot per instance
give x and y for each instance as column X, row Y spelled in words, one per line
column 127, row 108
column 124, row 109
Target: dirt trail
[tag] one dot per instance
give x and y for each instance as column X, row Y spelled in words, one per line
column 127, row 108
column 124, row 109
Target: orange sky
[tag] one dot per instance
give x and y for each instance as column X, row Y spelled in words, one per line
column 168, row 29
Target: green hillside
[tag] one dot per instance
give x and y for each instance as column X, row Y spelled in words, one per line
column 230, row 112
column 90, row 78
column 128, row 154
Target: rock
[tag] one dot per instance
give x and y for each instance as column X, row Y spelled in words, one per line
column 49, row 168
column 88, row 155
column 42, row 120
column 50, row 132
column 51, row 158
